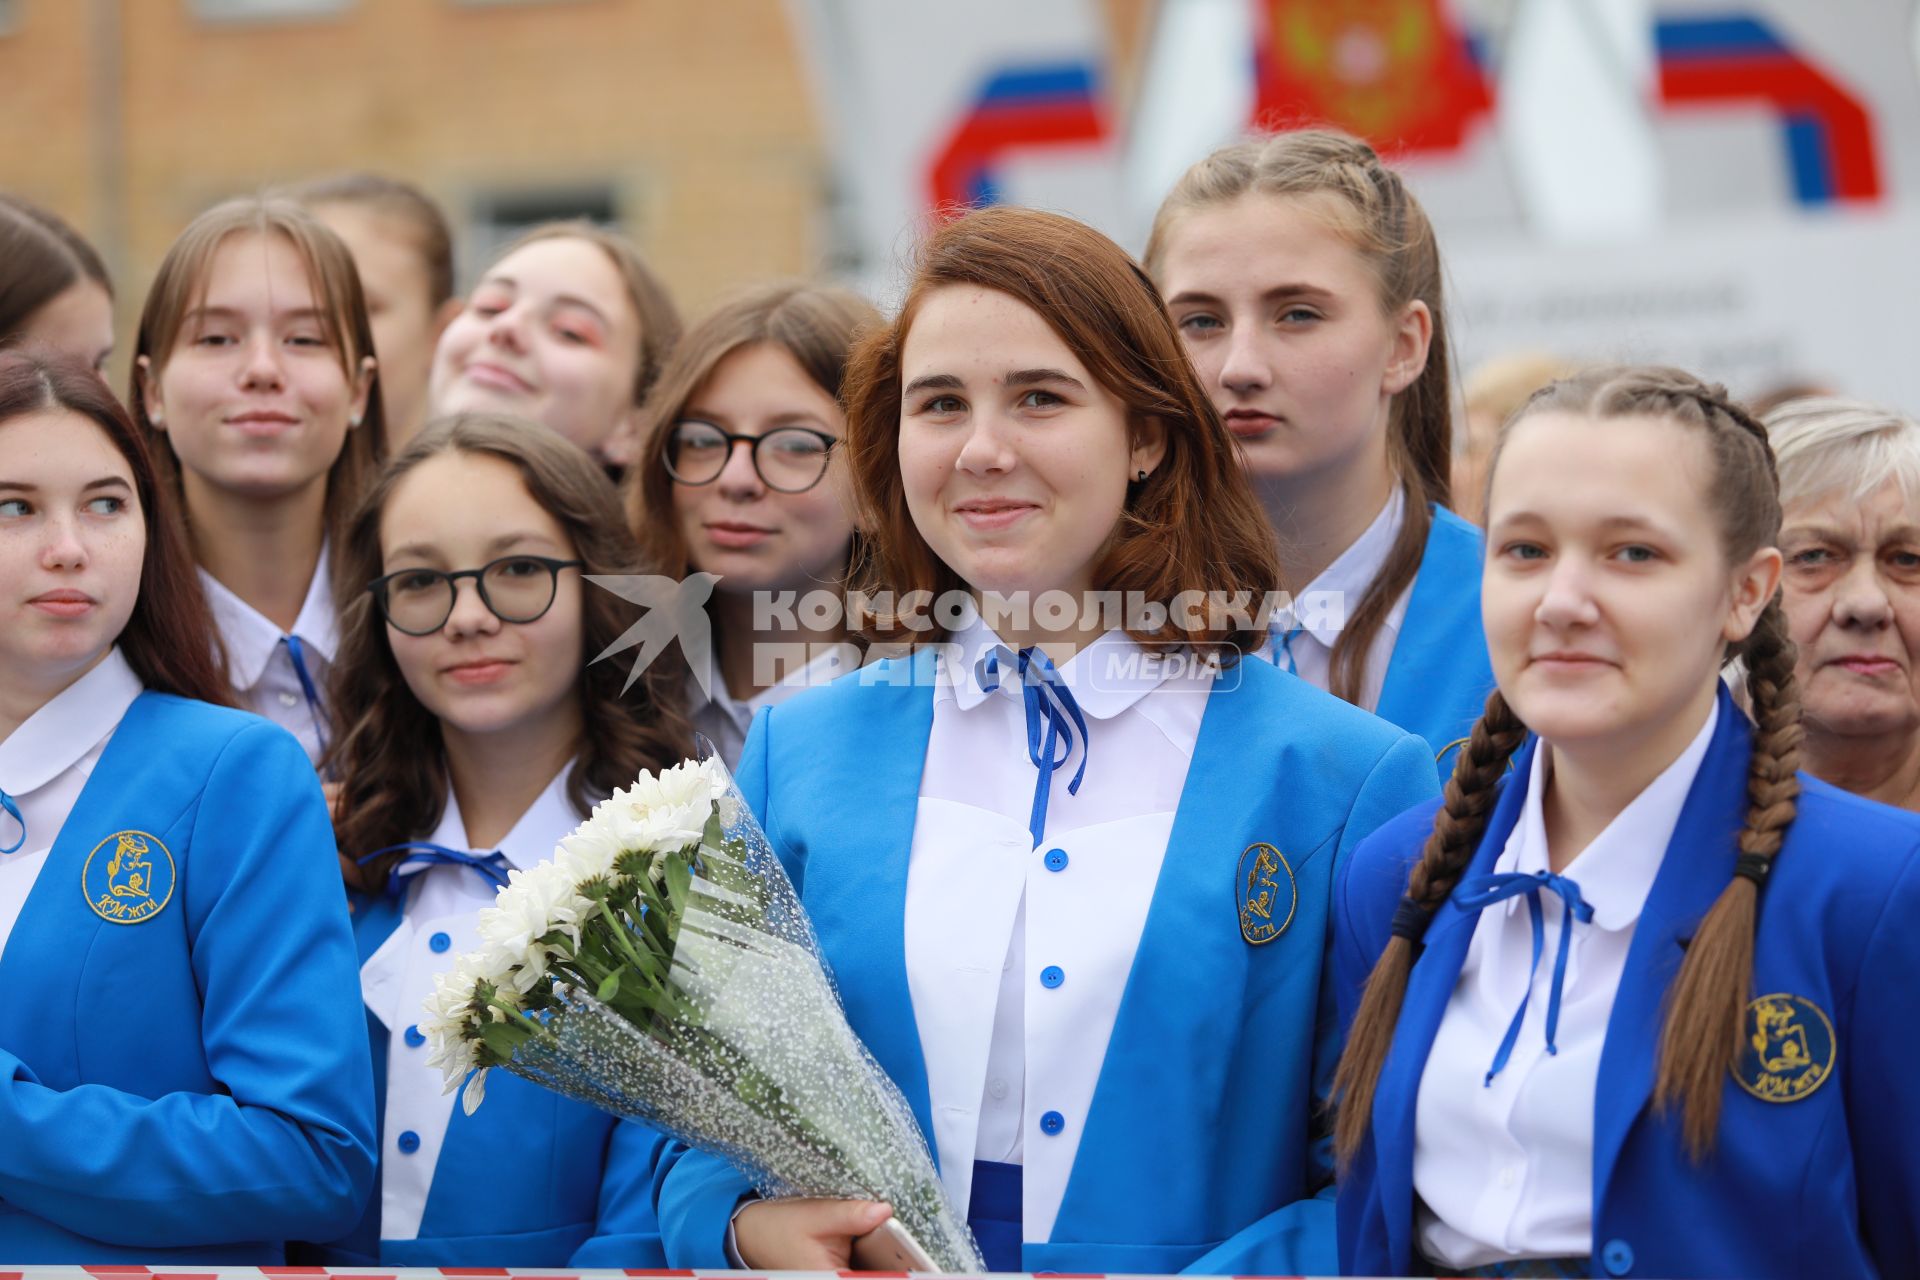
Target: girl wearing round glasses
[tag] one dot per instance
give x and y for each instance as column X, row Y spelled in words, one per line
column 744, row 432
column 476, row 731
column 183, row 1072
column 1070, row 867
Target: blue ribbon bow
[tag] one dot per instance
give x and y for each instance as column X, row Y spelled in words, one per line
column 13, row 811
column 422, row 854
column 308, row 689
column 1283, row 645
column 1482, row 892
column 1053, row 720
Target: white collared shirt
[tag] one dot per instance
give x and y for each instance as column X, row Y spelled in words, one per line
column 259, row 663
column 45, row 764
column 1506, row 1170
column 439, row 925
column 1017, row 954
column 1330, row 599
column 725, row 719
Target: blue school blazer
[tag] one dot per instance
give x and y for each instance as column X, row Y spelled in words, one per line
column 531, row 1179
column 1804, row 1181
column 1439, row 675
column 183, row 1073
column 1201, row 1149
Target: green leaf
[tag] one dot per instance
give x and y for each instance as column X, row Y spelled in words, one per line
column 502, row 1038
column 609, row 987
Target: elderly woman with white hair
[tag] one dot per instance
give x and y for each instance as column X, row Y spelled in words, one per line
column 1850, row 489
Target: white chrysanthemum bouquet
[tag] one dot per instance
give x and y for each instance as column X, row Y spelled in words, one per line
column 660, row 967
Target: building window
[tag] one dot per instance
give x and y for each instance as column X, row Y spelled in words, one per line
column 501, row 217
column 265, row 10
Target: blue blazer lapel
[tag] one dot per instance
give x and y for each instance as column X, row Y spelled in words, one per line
column 877, row 732
column 1439, row 677
column 1697, row 866
column 375, row 917
column 1429, row 988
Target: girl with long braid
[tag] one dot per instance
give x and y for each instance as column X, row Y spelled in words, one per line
column 1691, row 1052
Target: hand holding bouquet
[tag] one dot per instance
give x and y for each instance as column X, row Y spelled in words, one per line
column 660, row 967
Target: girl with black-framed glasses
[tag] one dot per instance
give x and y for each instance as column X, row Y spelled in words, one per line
column 476, row 731
column 741, row 478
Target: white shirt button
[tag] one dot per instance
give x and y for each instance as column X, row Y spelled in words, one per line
column 997, row 1089
column 1506, row 1176
column 289, row 699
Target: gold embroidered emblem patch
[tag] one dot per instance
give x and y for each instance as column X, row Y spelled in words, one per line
column 1256, row 891
column 1786, row 1048
column 128, row 877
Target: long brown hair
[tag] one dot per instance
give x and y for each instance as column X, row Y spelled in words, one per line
column 1700, row 1038
column 169, row 639
column 814, row 324
column 1192, row 525
column 1389, row 228
column 388, row 755
column 43, row 257
column 181, row 285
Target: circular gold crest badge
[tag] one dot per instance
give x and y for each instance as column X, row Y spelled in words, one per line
column 1256, row 891
column 128, row 877
column 1786, row 1049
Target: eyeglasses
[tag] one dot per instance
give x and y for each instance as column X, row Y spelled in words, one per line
column 519, row 589
column 787, row 459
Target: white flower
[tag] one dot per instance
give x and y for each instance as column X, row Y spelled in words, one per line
column 475, row 1092
column 448, row 1014
column 591, row 849
column 533, row 904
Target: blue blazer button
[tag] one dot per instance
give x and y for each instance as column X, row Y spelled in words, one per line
column 1052, row 976
column 409, row 1142
column 1617, row 1257
column 413, row 1037
column 1052, row 1122
column 439, row 942
column 1056, row 859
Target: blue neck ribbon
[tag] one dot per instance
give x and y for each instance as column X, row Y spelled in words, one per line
column 308, row 688
column 1484, row 891
column 1283, row 646
column 422, row 854
column 1053, row 721
column 13, row 811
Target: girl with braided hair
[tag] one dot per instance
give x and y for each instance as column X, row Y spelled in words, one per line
column 1305, row 280
column 1722, row 1036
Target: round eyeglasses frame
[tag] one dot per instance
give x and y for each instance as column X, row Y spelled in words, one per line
column 753, row 444
column 379, row 587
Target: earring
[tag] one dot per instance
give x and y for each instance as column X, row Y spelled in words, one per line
column 354, row 421
column 1141, row 478
column 157, row 420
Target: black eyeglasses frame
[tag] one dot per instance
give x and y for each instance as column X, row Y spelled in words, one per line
column 378, row 589
column 734, row 438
